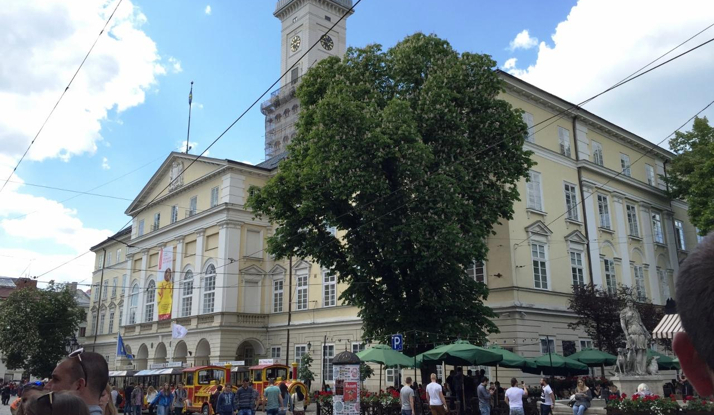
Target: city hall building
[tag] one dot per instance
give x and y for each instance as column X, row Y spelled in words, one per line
column 233, row 297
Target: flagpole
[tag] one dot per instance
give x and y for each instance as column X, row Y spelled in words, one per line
column 188, row 133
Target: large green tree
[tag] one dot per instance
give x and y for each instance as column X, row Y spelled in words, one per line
column 690, row 175
column 413, row 156
column 35, row 327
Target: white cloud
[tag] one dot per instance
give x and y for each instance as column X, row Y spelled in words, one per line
column 586, row 58
column 175, row 65
column 196, row 105
column 43, row 42
column 510, row 64
column 208, row 9
column 523, row 40
column 105, row 163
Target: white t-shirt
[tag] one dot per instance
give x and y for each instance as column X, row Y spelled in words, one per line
column 548, row 397
column 515, row 397
column 433, row 390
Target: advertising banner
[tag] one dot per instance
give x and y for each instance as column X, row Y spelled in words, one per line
column 166, row 283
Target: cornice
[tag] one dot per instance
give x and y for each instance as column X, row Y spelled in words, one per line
column 599, row 187
column 285, row 8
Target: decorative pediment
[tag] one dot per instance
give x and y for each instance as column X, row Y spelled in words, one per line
column 302, row 265
column 252, row 273
column 576, row 237
column 278, row 270
column 539, row 228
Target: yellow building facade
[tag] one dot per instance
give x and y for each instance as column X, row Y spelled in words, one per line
column 594, row 209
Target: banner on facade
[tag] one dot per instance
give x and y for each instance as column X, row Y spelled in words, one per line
column 166, row 285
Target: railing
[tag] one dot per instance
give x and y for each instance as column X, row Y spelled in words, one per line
column 252, row 320
column 164, row 324
column 205, row 320
column 146, row 327
column 280, row 95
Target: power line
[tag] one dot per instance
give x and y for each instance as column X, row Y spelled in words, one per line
column 61, row 96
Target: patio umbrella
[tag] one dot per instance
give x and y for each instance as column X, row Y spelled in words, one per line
column 384, row 355
column 461, row 353
column 511, row 360
column 554, row 364
column 594, row 358
column 664, row 362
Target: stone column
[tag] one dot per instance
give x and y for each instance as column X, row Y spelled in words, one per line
column 227, row 267
column 647, row 236
column 126, row 289
column 178, row 277
column 622, row 233
column 233, row 188
column 198, row 274
column 142, row 284
column 593, row 235
column 671, row 240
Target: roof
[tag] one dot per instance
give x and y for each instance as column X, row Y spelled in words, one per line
column 272, row 163
column 668, row 327
column 7, row 282
column 195, row 368
column 347, row 4
column 118, row 235
column 259, row 367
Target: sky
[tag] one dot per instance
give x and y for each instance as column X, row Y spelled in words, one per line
column 128, row 105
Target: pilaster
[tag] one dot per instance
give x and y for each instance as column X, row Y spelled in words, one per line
column 622, row 237
column 126, row 289
column 139, row 318
column 198, row 275
column 227, row 264
column 233, row 188
column 648, row 239
column 178, row 277
column 671, row 241
column 593, row 235
column 581, row 135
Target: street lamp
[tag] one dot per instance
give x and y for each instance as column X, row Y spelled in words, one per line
column 309, row 346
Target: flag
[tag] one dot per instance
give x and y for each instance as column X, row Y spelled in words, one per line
column 121, row 350
column 190, row 94
column 178, row 331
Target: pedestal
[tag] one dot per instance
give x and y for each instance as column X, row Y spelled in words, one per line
column 628, row 383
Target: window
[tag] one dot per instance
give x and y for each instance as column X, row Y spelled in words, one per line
column 632, row 220
column 610, row 278
column 357, row 347
column 141, row 227
column 149, row 303
column 301, row 292
column 278, row 296
column 640, row 283
column 111, row 322
column 121, row 314
column 604, row 211
column 300, row 351
column 651, row 180
column 93, row 322
column 115, row 282
column 528, row 119
column 275, row 352
column 123, row 284
column 329, row 289
column 193, row 205
column 209, row 289
column 109, row 259
column 657, row 228
column 540, row 274
column 253, row 244
column 328, row 354
column 597, row 154
column 95, row 287
column 118, row 255
column 568, row 347
column 157, row 221
column 664, row 285
column 571, row 201
column 564, row 139
column 214, row 196
column 700, row 238
column 586, row 344
column 576, row 266
column 476, row 271
column 547, row 344
column 133, row 303
column 102, row 318
column 105, row 290
column 625, row 164
column 187, row 294
column 328, row 18
column 679, row 234
column 294, row 75
column 535, row 195
column 174, row 213
column 82, row 332
column 391, row 374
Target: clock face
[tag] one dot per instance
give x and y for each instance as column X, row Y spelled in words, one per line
column 327, row 42
column 295, row 43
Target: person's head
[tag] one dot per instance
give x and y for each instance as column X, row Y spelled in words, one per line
column 180, row 385
column 613, row 388
column 56, row 403
column 283, row 388
column 581, row 385
column 219, row 388
column 166, row 387
column 482, row 372
column 514, row 382
column 150, row 389
column 131, row 384
column 469, row 373
column 107, row 403
column 643, row 388
column 452, row 372
column 300, row 395
column 433, row 377
column 408, row 381
column 484, row 381
column 498, row 384
column 245, row 382
column 167, row 275
column 543, row 381
column 695, row 300
column 459, row 370
column 31, row 390
column 271, row 381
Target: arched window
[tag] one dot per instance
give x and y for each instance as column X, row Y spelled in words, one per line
column 209, row 289
column 187, row 294
column 133, row 303
column 150, row 300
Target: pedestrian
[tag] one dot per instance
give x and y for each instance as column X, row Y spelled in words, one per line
column 272, row 398
column 162, row 400
column 583, row 396
column 227, row 401
column 86, row 374
column 137, row 400
column 213, row 401
column 150, row 395
column 484, row 397
column 5, row 392
column 298, row 400
column 285, row 398
column 548, row 397
column 179, row 398
column 115, row 394
column 514, row 397
column 127, row 398
column 406, row 397
column 435, row 395
column 56, row 403
column 256, row 397
column 246, row 400
column 107, row 402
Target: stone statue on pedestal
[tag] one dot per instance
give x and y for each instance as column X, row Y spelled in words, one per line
column 637, row 337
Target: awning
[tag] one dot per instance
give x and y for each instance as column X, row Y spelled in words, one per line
column 668, row 327
column 148, row 372
column 120, row 373
column 173, row 371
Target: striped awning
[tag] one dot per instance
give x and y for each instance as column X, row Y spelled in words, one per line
column 668, row 327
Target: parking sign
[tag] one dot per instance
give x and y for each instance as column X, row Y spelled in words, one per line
column 397, row 342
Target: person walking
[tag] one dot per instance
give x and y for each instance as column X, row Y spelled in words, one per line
column 137, row 400
column 285, row 399
column 213, row 401
column 5, row 392
column 406, row 397
column 546, row 406
column 514, row 397
column 484, row 397
column 162, row 400
column 256, row 397
column 273, row 400
column 583, row 396
column 227, row 402
column 435, row 396
column 245, row 398
column 150, row 395
column 179, row 398
column 298, row 400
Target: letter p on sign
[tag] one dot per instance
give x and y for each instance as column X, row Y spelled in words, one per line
column 397, row 342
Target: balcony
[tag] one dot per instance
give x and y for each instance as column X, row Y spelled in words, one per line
column 279, row 96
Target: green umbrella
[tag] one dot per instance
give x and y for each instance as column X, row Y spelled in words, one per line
column 555, row 364
column 664, row 362
column 384, row 355
column 510, row 359
column 594, row 358
column 461, row 353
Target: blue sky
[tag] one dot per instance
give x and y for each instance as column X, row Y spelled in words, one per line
column 232, row 55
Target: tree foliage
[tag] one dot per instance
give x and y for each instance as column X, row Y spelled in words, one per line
column 598, row 314
column 690, row 175
column 412, row 156
column 35, row 327
column 365, row 371
column 304, row 372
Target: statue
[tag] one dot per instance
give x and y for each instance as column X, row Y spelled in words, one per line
column 653, row 367
column 621, row 361
column 637, row 338
column 175, row 176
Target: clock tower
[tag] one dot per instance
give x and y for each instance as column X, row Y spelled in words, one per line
column 304, row 23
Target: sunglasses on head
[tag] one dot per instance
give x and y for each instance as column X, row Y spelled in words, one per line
column 49, row 396
column 78, row 354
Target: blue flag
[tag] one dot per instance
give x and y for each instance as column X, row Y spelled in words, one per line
column 121, row 350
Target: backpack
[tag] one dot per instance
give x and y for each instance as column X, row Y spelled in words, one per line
column 120, row 399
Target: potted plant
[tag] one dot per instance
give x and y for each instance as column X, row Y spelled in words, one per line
column 696, row 406
column 642, row 405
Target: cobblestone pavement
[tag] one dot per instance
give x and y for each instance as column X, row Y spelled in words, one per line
column 5, row 410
